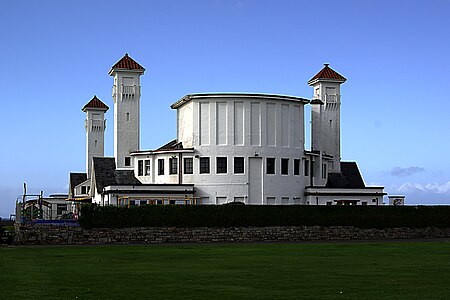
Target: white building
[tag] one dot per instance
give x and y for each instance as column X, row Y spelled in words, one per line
column 229, row 147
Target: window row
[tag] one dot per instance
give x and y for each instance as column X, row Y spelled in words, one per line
column 222, row 166
column 188, row 166
column 269, row 200
column 296, row 167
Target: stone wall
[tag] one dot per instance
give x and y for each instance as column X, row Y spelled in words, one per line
column 61, row 235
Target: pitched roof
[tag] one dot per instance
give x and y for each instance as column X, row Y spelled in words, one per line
column 327, row 73
column 127, row 63
column 95, row 103
column 172, row 145
column 75, row 179
column 103, row 171
column 126, row 177
column 105, row 174
column 348, row 178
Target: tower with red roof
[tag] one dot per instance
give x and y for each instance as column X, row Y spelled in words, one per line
column 95, row 125
column 325, row 118
column 126, row 94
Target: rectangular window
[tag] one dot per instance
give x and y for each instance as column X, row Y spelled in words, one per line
column 270, row 165
column 284, row 200
column 296, row 166
column 173, row 163
column 221, row 165
column 239, row 199
column 147, row 167
column 238, row 165
column 204, row 165
column 188, row 165
column 270, row 200
column 306, row 169
column 331, row 94
column 285, row 166
column 60, row 209
column 221, row 200
column 140, row 167
column 127, row 161
column 324, row 171
column 160, row 166
column 83, row 190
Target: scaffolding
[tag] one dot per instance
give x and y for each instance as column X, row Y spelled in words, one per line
column 32, row 209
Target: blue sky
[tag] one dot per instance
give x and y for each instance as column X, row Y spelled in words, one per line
column 395, row 54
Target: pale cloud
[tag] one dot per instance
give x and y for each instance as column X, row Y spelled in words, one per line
column 433, row 187
column 432, row 193
column 404, row 172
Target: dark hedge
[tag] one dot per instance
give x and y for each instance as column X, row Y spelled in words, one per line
column 94, row 216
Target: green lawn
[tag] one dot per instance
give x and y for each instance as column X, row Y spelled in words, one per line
column 263, row 271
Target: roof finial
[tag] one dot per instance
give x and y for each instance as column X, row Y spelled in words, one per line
column 326, row 65
column 126, row 54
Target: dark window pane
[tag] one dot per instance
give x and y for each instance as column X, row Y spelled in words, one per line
column 238, row 165
column 204, row 165
column 285, row 166
column 188, row 165
column 306, row 169
column 296, row 166
column 173, row 163
column 140, row 167
column 221, row 165
column 270, row 166
column 160, row 166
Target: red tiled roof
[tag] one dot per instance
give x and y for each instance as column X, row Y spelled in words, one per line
column 127, row 63
column 328, row 73
column 96, row 104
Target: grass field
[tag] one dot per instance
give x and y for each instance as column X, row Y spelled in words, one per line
column 263, row 271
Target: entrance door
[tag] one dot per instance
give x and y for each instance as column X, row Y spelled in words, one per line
column 255, row 180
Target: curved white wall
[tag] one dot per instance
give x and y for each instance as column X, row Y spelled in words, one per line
column 251, row 127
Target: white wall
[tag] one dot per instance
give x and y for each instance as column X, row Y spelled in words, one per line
column 242, row 126
column 325, row 126
column 184, row 125
column 95, row 136
column 154, row 177
column 126, row 95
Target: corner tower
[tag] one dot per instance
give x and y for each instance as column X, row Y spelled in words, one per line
column 325, row 114
column 95, row 125
column 126, row 94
